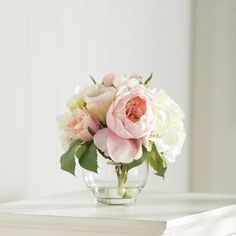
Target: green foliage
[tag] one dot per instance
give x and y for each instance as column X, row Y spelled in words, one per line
column 86, row 152
column 87, row 155
column 94, row 81
column 148, row 80
column 103, row 154
column 68, row 158
column 157, row 161
column 154, row 158
column 138, row 162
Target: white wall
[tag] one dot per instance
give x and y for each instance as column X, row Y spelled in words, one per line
column 214, row 104
column 48, row 47
column 13, row 89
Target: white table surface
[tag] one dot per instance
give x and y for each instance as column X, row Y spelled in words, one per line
column 153, row 214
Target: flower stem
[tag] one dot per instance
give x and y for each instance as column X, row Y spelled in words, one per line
column 122, row 175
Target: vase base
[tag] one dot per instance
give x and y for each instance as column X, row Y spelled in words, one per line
column 116, row 196
column 116, row 201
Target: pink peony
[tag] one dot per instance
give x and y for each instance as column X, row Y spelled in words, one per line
column 131, row 115
column 129, row 119
column 77, row 124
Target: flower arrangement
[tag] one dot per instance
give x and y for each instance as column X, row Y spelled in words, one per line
column 126, row 122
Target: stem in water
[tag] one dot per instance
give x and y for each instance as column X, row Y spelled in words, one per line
column 122, row 175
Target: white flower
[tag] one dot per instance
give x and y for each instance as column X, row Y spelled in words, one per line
column 77, row 101
column 170, row 133
column 96, row 99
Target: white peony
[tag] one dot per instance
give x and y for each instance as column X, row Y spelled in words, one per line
column 169, row 129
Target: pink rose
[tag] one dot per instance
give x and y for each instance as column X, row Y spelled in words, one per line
column 77, row 124
column 109, row 79
column 131, row 115
column 129, row 119
column 118, row 149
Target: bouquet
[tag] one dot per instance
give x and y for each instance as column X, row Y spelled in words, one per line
column 125, row 121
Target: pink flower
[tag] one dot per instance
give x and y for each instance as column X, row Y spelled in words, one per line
column 77, row 123
column 109, row 79
column 131, row 115
column 118, row 149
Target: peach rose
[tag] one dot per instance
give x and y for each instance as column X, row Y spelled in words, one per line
column 76, row 125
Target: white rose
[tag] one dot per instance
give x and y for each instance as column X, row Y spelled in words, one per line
column 170, row 133
column 96, row 99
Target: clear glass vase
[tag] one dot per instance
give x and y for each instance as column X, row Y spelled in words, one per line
column 114, row 184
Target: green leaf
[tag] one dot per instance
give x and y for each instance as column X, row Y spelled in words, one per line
column 68, row 158
column 103, row 154
column 138, row 162
column 147, row 81
column 157, row 161
column 88, row 157
column 94, row 81
column 80, row 150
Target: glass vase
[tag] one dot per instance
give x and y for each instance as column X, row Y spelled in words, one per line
column 115, row 184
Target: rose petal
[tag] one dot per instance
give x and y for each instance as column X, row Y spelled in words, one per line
column 122, row 150
column 138, row 143
column 100, row 139
column 109, row 79
column 116, row 125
